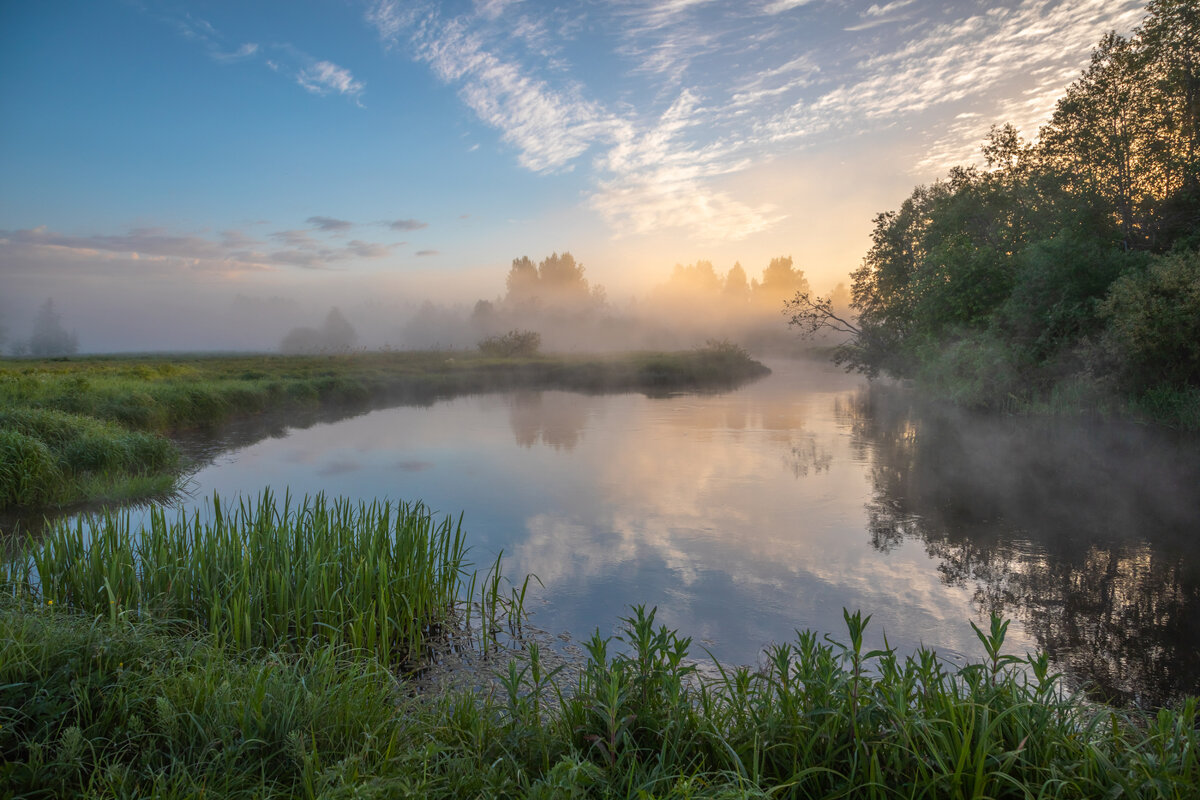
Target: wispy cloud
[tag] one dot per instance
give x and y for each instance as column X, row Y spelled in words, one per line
column 712, row 87
column 780, row 6
column 660, row 182
column 314, row 75
column 424, row 253
column 241, row 54
column 330, row 224
column 970, row 59
column 232, row 252
column 213, row 41
column 324, row 77
column 298, row 238
column 407, row 225
column 548, row 127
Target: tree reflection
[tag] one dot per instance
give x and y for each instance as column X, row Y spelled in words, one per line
column 556, row 419
column 806, row 454
column 1083, row 531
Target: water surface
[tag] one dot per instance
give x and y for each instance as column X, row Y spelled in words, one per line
column 745, row 515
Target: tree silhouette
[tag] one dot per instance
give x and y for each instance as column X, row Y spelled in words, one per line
column 49, row 337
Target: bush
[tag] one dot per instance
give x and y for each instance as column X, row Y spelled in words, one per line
column 514, row 344
column 1154, row 323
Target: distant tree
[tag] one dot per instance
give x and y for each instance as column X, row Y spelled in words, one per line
column 522, row 282
column 337, row 335
column 780, row 281
column 555, row 284
column 736, row 288
column 49, row 337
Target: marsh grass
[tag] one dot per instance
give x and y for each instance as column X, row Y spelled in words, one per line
column 92, row 707
column 50, row 457
column 376, row 578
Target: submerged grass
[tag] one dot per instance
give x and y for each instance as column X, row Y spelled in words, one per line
column 67, row 422
column 91, row 707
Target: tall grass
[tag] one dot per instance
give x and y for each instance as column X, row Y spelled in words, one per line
column 377, row 578
column 50, row 457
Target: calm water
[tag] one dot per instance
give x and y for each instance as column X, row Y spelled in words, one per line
column 743, row 516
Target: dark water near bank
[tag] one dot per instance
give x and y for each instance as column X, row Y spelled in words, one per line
column 745, row 515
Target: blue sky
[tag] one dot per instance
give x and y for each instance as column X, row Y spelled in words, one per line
column 160, row 160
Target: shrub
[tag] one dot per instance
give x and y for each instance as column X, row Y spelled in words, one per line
column 514, row 344
column 1154, row 322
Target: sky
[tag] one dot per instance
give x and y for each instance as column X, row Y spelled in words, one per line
column 197, row 175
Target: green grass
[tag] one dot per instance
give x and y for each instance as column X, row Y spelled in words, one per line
column 93, row 428
column 96, row 708
column 380, row 578
column 268, row 653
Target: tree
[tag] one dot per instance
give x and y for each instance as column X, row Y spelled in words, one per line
column 336, row 335
column 736, row 288
column 49, row 337
column 813, row 314
column 779, row 282
column 556, row 284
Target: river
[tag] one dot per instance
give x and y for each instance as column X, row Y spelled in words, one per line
column 745, row 515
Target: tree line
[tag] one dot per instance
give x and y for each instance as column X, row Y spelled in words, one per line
column 1068, row 264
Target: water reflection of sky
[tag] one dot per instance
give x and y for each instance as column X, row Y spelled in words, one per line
column 742, row 516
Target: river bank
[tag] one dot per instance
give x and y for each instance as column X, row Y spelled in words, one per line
column 97, row 429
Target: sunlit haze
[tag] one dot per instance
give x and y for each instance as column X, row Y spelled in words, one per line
column 209, row 175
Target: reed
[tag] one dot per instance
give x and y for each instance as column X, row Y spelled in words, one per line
column 379, row 578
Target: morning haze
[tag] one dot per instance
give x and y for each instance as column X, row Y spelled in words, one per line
column 211, row 181
column 673, row 399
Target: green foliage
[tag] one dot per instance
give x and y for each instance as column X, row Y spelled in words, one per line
column 91, row 709
column 377, row 579
column 514, row 344
column 1003, row 282
column 97, row 709
column 1154, row 322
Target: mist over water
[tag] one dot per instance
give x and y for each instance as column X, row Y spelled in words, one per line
column 745, row 515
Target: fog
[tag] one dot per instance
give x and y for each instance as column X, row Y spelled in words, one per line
column 553, row 296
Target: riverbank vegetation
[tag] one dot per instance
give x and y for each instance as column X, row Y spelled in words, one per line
column 94, row 428
column 1066, row 273
column 126, row 706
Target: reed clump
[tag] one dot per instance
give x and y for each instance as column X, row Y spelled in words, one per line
column 376, row 578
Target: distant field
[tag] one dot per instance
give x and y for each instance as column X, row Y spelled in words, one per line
column 93, row 428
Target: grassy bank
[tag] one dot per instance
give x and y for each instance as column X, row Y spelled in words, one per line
column 269, row 651
column 96, row 708
column 93, row 428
